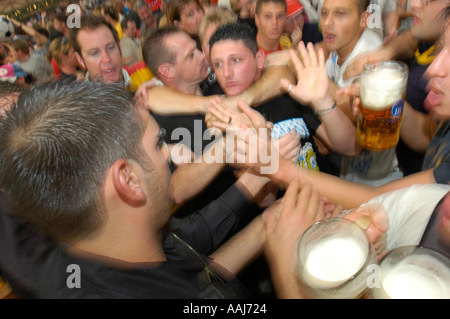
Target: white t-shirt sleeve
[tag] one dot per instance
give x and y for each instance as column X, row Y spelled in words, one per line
column 409, row 210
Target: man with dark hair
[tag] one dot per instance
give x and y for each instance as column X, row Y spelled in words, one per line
column 97, row 49
column 238, row 62
column 94, row 173
column 172, row 55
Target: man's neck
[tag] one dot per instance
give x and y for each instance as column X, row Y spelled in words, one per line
column 346, row 50
column 265, row 43
column 193, row 89
column 132, row 249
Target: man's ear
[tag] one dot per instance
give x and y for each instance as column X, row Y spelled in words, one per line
column 257, row 20
column 364, row 18
column 80, row 60
column 260, row 59
column 127, row 183
column 165, row 70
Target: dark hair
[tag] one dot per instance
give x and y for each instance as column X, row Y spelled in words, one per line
column 124, row 22
column 61, row 17
column 446, row 13
column 154, row 51
column 260, row 3
column 112, row 12
column 363, row 5
column 90, row 23
column 56, row 145
column 236, row 31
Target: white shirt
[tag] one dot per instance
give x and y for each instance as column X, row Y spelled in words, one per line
column 368, row 41
column 409, row 210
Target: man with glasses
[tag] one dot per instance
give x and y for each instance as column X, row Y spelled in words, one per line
column 418, row 46
column 296, row 27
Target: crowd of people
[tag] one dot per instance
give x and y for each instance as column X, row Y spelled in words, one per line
column 119, row 142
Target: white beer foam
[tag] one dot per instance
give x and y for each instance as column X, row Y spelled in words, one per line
column 382, row 88
column 336, row 259
column 408, row 281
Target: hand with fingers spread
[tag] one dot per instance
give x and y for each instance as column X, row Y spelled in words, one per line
column 312, row 85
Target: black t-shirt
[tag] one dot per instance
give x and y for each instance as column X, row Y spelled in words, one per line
column 311, row 33
column 67, row 277
column 22, row 250
column 286, row 114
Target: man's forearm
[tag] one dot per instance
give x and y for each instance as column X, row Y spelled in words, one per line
column 402, row 46
column 190, row 179
column 417, row 128
column 166, row 101
column 242, row 248
column 264, row 89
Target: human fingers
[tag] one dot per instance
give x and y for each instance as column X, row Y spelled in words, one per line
column 312, row 54
column 286, row 85
column 290, row 197
column 219, row 114
column 306, row 59
column 256, row 118
column 295, row 59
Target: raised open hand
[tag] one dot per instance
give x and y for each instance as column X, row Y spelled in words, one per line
column 311, row 74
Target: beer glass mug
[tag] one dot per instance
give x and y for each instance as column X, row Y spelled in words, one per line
column 382, row 94
column 333, row 256
column 413, row 272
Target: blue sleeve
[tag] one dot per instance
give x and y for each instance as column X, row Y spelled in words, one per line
column 442, row 172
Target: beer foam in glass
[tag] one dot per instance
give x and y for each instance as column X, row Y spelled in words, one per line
column 417, row 274
column 332, row 259
column 382, row 93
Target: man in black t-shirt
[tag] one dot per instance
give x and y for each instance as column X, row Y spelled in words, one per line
column 237, row 63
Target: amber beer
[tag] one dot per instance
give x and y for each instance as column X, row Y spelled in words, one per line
column 382, row 93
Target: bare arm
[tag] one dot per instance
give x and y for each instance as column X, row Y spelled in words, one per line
column 28, row 30
column 190, row 179
column 164, row 100
column 417, row 128
column 337, row 130
column 242, row 248
column 391, row 24
column 338, row 191
column 403, row 45
column 346, row 193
